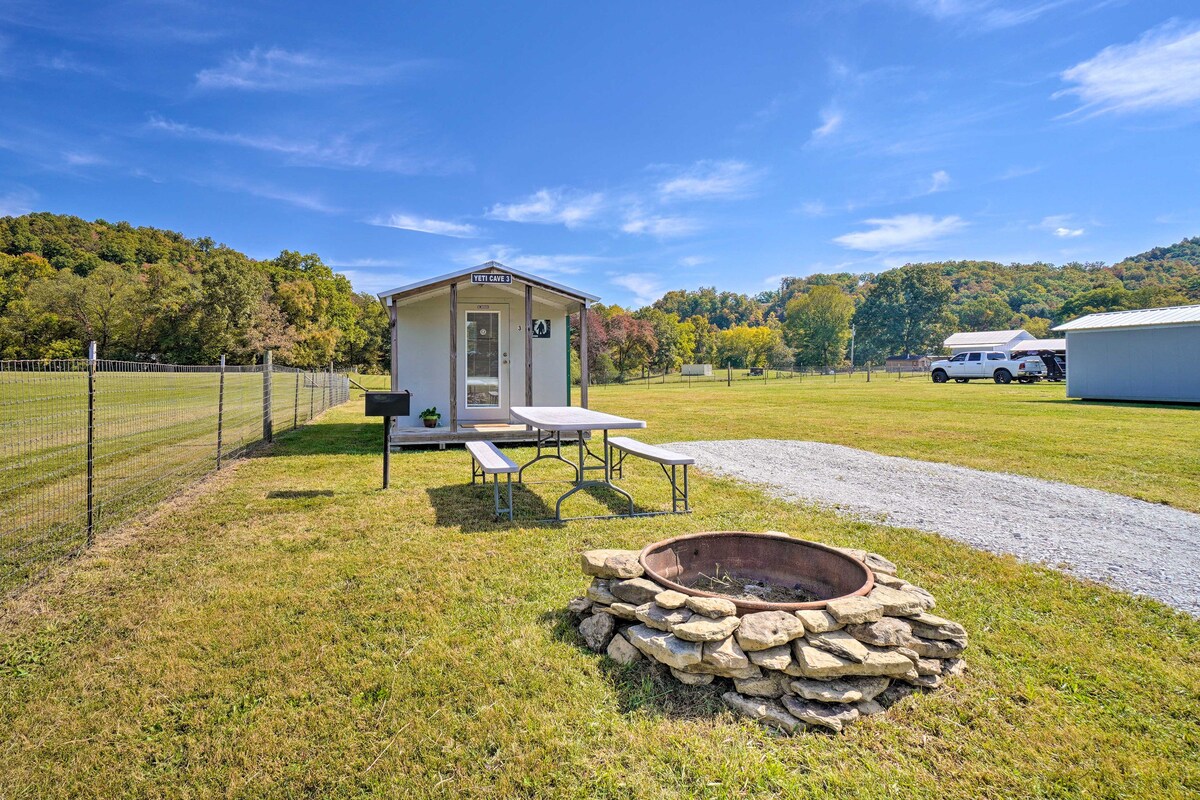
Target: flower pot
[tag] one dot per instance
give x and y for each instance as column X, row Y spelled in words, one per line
column 430, row 422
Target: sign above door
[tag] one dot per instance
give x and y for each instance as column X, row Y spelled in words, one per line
column 490, row 277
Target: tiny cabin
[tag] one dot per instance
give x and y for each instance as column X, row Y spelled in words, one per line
column 474, row 343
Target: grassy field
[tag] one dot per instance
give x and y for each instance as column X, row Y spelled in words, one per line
column 290, row 630
column 154, row 434
column 1144, row 451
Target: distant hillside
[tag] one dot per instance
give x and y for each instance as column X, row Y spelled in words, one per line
column 145, row 293
column 1187, row 251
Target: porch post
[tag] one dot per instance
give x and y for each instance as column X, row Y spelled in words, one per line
column 583, row 355
column 454, row 358
column 395, row 360
column 528, row 344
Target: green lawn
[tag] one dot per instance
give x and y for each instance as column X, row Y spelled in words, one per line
column 290, row 630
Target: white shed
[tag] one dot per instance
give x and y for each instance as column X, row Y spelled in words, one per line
column 986, row 340
column 475, row 342
column 1148, row 354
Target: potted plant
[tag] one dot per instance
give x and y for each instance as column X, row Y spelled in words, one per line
column 430, row 417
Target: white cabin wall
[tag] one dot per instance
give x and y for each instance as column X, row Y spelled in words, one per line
column 421, row 343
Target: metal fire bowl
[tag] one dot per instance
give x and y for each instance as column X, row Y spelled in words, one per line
column 770, row 558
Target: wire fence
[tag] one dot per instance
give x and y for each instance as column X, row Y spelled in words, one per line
column 85, row 444
column 731, row 375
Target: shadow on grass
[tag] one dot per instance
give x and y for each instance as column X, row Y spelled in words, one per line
column 298, row 494
column 644, row 686
column 471, row 507
column 1076, row 401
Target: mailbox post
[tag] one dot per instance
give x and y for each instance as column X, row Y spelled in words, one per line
column 387, row 405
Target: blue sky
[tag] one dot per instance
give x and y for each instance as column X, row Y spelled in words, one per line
column 624, row 148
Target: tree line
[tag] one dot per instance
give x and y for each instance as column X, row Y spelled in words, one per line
column 149, row 294
column 809, row 321
column 146, row 294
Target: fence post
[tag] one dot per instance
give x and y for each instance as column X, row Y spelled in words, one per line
column 329, row 387
column 296, row 404
column 728, row 375
column 868, row 372
column 91, row 442
column 268, row 422
column 312, row 394
column 220, row 411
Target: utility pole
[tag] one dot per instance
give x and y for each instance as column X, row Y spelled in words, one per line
column 852, row 348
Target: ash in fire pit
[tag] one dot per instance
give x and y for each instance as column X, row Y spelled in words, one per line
column 737, row 587
column 796, row 634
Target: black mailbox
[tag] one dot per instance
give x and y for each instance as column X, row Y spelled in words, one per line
column 388, row 404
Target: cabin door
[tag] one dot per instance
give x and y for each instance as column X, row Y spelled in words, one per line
column 483, row 363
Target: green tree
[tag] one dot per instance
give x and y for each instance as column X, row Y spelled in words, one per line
column 904, row 311
column 817, row 325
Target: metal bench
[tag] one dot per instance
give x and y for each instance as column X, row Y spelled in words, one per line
column 486, row 459
column 661, row 456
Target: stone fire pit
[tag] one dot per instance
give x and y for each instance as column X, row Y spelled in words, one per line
column 798, row 634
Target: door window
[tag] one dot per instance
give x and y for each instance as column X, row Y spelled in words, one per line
column 483, row 359
column 958, row 359
column 973, row 357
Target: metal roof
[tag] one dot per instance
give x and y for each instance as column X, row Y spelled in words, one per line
column 490, row 265
column 1135, row 318
column 1041, row 344
column 985, row 338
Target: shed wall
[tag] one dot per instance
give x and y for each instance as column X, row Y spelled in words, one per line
column 421, row 350
column 1150, row 364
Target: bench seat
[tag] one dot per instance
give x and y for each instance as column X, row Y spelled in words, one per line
column 491, row 461
column 661, row 456
column 486, row 459
column 650, row 452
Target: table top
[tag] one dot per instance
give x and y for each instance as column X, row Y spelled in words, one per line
column 571, row 418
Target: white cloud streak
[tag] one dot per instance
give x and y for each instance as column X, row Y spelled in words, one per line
column 544, row 264
column 901, row 232
column 276, row 69
column 550, row 207
column 709, row 179
column 1161, row 70
column 831, row 121
column 1060, row 226
column 437, row 227
column 644, row 286
column 939, row 181
column 661, row 226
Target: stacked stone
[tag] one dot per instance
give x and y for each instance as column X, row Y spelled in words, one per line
column 808, row 669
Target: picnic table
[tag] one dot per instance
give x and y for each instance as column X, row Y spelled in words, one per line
column 553, row 421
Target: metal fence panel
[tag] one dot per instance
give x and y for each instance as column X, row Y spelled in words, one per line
column 87, row 444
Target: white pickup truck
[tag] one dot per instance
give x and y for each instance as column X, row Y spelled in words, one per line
column 1000, row 367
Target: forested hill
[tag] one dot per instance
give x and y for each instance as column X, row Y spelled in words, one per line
column 144, row 293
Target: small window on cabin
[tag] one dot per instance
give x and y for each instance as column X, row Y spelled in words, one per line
column 974, row 357
column 995, row 356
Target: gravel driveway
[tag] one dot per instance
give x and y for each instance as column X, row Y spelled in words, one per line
column 1133, row 545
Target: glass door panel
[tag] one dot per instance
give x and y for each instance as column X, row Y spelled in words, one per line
column 483, row 359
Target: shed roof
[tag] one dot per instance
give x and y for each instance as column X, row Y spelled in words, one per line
column 985, row 338
column 1043, row 344
column 488, row 266
column 1134, row 318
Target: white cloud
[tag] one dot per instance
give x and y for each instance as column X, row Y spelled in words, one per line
column 1060, row 226
column 644, row 286
column 336, row 151
column 368, row 281
column 549, row 264
column 813, row 208
column 938, row 181
column 438, row 227
column 985, row 14
column 309, row 201
column 276, row 69
column 709, row 179
column 901, row 232
column 693, row 261
column 1160, row 70
column 550, row 206
column 665, row 227
column 831, row 120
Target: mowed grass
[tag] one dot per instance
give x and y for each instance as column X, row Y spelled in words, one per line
column 1151, row 452
column 290, row 630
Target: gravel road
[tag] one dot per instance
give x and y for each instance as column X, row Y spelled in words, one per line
column 1141, row 547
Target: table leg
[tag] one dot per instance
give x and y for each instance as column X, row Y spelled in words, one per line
column 583, row 484
column 555, row 456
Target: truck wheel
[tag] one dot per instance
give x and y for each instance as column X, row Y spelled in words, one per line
column 961, row 380
column 939, row 376
column 1003, row 376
